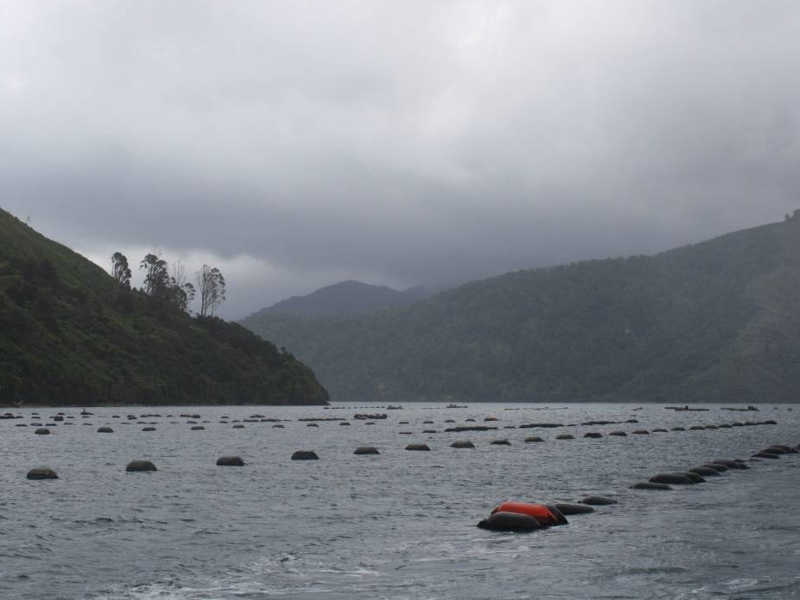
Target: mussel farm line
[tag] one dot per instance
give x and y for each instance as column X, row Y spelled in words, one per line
column 508, row 516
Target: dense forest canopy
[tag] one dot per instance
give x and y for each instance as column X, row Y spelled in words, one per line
column 716, row 321
column 72, row 334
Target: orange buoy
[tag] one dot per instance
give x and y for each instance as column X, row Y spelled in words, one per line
column 540, row 512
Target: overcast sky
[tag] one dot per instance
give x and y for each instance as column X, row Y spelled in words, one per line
column 296, row 144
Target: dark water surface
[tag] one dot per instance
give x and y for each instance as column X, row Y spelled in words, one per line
column 397, row 525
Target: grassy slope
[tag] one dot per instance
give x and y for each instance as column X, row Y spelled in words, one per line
column 715, row 321
column 69, row 335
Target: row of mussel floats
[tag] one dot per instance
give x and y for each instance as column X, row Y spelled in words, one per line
column 524, row 517
column 135, row 466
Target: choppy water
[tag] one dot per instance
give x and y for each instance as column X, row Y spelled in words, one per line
column 397, row 525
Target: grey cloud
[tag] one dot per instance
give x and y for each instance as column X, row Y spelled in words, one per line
column 396, row 143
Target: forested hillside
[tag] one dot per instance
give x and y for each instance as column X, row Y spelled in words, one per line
column 70, row 334
column 716, row 321
column 347, row 298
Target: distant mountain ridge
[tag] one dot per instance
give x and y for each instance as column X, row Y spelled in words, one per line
column 714, row 321
column 347, row 298
column 69, row 334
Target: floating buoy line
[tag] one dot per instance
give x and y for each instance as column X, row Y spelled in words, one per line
column 508, row 516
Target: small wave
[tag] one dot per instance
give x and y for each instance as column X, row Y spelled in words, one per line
column 212, row 591
column 207, row 532
column 356, row 572
column 96, row 521
column 654, row 571
column 738, row 585
column 764, row 587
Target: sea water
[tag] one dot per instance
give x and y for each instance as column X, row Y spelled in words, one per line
column 396, row 525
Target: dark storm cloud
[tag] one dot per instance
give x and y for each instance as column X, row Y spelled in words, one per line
column 299, row 143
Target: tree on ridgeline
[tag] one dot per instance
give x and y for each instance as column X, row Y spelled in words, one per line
column 120, row 270
column 156, row 278
column 182, row 290
column 178, row 273
column 183, row 295
column 211, row 284
column 159, row 284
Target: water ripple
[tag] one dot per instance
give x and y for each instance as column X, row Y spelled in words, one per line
column 400, row 524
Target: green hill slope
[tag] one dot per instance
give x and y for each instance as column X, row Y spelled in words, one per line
column 716, row 321
column 70, row 335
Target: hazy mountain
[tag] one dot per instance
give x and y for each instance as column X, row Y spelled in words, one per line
column 347, row 298
column 69, row 334
column 715, row 321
